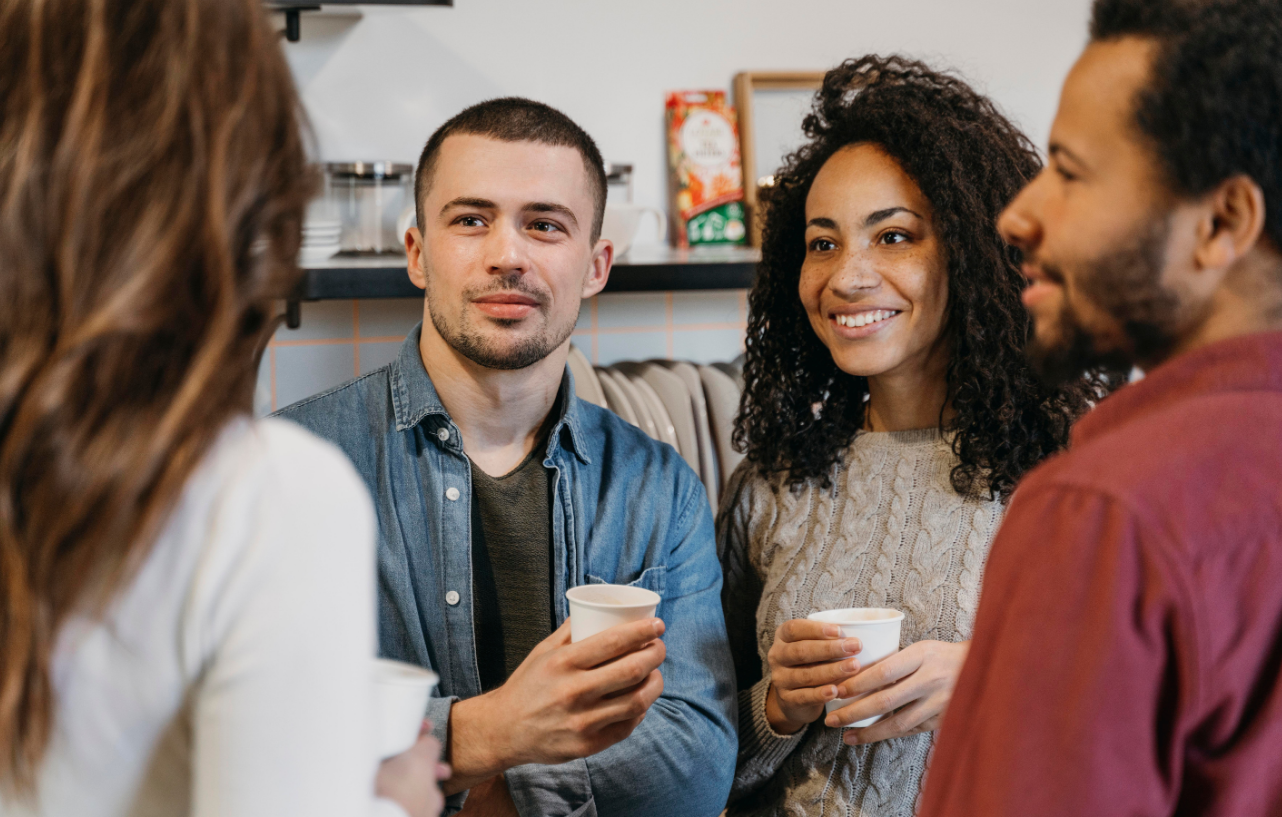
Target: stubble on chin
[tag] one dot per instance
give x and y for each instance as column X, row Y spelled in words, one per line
column 492, row 350
column 1125, row 286
column 496, row 344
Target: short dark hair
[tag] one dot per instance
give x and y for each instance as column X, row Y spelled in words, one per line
column 1213, row 105
column 515, row 119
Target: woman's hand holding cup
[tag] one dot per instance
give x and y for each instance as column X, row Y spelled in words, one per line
column 411, row 778
column 805, row 670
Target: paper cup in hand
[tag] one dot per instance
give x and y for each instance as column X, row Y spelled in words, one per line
column 877, row 628
column 401, row 692
column 598, row 607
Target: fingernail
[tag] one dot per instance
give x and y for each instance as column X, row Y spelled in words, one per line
column 832, row 631
column 830, row 693
column 851, row 646
column 658, row 627
column 850, row 666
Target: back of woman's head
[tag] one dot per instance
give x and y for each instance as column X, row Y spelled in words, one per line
column 799, row 411
column 152, row 185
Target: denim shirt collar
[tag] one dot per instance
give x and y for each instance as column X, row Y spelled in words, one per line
column 414, row 399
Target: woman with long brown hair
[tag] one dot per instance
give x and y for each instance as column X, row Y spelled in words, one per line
column 186, row 596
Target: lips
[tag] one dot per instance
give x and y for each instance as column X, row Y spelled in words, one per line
column 1043, row 283
column 1037, row 292
column 506, row 305
column 1037, row 273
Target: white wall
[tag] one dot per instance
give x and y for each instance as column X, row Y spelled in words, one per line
column 377, row 86
column 378, row 81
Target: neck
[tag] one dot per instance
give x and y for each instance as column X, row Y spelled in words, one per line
column 909, row 398
column 502, row 414
column 1249, row 302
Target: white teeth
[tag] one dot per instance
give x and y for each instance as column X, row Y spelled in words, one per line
column 865, row 318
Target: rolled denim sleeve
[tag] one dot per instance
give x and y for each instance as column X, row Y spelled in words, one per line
column 680, row 760
column 438, row 712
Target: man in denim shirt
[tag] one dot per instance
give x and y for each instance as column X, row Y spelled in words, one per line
column 497, row 490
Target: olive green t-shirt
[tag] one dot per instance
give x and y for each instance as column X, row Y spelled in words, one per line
column 511, row 566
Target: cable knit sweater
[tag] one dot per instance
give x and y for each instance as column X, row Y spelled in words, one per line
column 890, row 532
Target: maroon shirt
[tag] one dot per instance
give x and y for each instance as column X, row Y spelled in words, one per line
column 1127, row 657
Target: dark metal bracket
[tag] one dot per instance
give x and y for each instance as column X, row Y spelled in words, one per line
column 293, row 313
column 293, row 21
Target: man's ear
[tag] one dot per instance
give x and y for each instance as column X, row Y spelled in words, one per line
column 599, row 272
column 414, row 250
column 1232, row 224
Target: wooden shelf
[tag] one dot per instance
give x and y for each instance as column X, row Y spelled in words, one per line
column 643, row 269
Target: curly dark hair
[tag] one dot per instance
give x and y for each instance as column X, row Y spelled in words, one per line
column 1213, row 106
column 799, row 412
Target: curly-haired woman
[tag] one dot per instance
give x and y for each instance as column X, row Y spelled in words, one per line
column 887, row 416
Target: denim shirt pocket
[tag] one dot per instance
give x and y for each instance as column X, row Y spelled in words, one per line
column 654, row 578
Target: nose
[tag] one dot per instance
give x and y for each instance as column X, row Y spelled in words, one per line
column 1018, row 224
column 505, row 250
column 858, row 273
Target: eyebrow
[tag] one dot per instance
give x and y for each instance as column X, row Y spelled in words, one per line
column 552, row 207
column 873, row 218
column 1057, row 149
column 881, row 215
column 464, row 201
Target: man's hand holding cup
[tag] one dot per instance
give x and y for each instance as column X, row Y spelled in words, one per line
column 567, row 700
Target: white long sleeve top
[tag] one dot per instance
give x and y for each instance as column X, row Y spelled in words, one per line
column 232, row 676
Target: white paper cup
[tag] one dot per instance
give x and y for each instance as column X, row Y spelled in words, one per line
column 401, row 692
column 595, row 608
column 877, row 628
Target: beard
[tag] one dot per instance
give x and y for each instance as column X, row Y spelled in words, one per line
column 1126, row 285
column 477, row 346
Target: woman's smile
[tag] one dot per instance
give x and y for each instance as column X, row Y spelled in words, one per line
column 862, row 324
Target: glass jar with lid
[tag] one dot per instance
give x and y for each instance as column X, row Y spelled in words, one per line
column 369, row 198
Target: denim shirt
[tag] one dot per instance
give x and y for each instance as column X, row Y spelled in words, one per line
column 625, row 510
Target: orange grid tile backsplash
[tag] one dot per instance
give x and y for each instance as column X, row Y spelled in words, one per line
column 339, row 340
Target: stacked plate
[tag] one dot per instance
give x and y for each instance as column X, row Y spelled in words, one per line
column 687, row 406
column 322, row 239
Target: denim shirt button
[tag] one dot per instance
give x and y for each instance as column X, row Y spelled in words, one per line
column 443, row 434
column 451, row 598
column 451, row 494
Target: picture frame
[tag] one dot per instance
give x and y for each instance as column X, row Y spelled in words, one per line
column 774, row 95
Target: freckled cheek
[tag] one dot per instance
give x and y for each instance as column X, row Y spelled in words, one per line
column 810, row 290
column 927, row 291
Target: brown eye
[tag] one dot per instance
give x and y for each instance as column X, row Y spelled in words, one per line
column 894, row 237
column 822, row 245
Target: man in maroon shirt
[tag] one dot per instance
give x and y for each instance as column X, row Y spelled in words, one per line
column 1127, row 657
